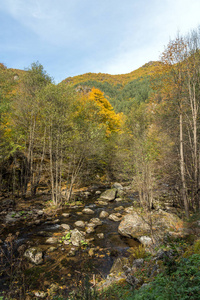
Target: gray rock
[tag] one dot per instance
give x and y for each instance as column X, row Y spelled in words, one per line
column 138, row 263
column 132, row 225
column 65, row 226
column 52, row 240
column 145, row 240
column 118, row 199
column 114, row 217
column 77, row 237
column 103, row 214
column 109, row 195
column 96, row 221
column 88, row 211
column 129, row 209
column 34, row 255
column 90, row 230
column 80, row 224
column 91, row 225
column 117, row 186
column 11, row 217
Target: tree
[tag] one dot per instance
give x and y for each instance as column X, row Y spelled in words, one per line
column 27, row 122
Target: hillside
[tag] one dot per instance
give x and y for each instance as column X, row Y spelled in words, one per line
column 121, row 79
column 121, row 90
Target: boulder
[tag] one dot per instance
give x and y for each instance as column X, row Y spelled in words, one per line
column 80, row 224
column 88, row 211
column 132, row 225
column 136, row 225
column 77, row 237
column 109, row 195
column 103, row 214
column 34, row 255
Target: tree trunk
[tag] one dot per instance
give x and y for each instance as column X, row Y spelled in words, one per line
column 182, row 168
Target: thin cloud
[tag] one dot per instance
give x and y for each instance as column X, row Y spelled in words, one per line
column 75, row 36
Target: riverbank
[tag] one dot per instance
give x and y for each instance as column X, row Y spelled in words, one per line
column 55, row 250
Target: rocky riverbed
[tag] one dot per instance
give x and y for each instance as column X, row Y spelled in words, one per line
column 63, row 246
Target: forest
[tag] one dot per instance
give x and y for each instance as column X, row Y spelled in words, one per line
column 141, row 129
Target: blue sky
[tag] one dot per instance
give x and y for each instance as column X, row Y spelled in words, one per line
column 72, row 37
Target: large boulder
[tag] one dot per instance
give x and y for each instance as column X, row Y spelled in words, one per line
column 109, row 195
column 34, row 255
column 137, row 225
column 132, row 225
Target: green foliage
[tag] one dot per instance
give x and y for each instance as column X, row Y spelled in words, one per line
column 66, row 237
column 183, row 283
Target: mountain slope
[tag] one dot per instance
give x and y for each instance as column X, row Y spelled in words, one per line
column 123, row 79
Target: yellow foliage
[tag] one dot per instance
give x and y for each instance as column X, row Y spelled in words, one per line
column 100, row 111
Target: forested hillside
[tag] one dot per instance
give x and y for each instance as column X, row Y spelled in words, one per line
column 55, row 135
column 121, row 90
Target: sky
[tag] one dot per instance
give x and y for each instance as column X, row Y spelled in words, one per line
column 73, row 37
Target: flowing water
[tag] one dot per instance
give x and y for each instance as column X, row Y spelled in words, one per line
column 61, row 268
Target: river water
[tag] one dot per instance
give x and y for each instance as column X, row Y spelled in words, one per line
column 58, row 266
